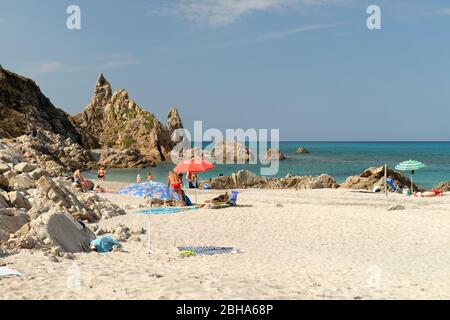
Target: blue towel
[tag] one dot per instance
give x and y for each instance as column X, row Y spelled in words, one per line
column 104, row 244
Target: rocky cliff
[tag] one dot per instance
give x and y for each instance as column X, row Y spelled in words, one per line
column 117, row 122
column 24, row 109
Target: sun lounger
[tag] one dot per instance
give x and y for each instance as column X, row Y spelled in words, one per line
column 391, row 185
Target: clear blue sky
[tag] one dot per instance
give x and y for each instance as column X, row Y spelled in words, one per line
column 308, row 67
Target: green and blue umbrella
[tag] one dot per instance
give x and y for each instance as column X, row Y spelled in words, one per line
column 151, row 190
column 410, row 165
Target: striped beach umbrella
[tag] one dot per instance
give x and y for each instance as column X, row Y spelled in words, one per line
column 410, row 165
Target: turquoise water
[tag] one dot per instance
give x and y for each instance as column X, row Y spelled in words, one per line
column 339, row 159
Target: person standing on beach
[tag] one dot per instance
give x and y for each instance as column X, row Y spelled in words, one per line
column 77, row 177
column 101, row 174
column 172, row 180
column 180, row 179
column 149, row 177
column 138, row 178
column 192, row 180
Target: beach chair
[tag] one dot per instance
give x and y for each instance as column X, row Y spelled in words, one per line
column 391, row 185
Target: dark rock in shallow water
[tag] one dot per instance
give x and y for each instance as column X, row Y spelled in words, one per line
column 302, row 150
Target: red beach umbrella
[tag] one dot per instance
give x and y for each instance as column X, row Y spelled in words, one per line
column 193, row 165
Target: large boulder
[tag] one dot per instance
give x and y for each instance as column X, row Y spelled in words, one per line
column 53, row 229
column 4, row 167
column 18, row 199
column 19, row 182
column 230, row 152
column 272, row 154
column 24, row 167
column 11, row 220
column 3, row 203
column 4, row 183
column 374, row 176
column 245, row 178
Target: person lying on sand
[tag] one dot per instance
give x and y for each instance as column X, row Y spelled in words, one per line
column 429, row 194
column 98, row 188
column 223, row 198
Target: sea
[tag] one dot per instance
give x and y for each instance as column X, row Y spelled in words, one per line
column 338, row 159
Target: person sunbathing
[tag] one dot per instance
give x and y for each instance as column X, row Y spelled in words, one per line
column 429, row 194
column 223, row 198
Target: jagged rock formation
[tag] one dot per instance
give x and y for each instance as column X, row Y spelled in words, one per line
column 37, row 211
column 374, row 176
column 115, row 121
column 60, row 143
column 247, row 179
column 24, row 108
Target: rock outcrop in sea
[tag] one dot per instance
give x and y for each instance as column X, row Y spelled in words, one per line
column 246, row 179
column 221, row 152
column 116, row 122
column 273, row 154
column 302, row 150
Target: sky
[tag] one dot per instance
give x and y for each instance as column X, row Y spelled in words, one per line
column 310, row 68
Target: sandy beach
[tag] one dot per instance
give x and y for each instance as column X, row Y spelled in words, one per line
column 296, row 244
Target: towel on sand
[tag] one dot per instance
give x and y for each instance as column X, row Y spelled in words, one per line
column 104, row 244
column 208, row 250
column 7, row 272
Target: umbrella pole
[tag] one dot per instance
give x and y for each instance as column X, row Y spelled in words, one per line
column 195, row 193
column 148, row 235
column 412, row 185
column 385, row 180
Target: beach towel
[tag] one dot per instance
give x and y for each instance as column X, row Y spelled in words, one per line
column 208, row 250
column 104, row 244
column 7, row 272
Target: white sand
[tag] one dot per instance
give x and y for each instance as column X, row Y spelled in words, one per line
column 320, row 244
